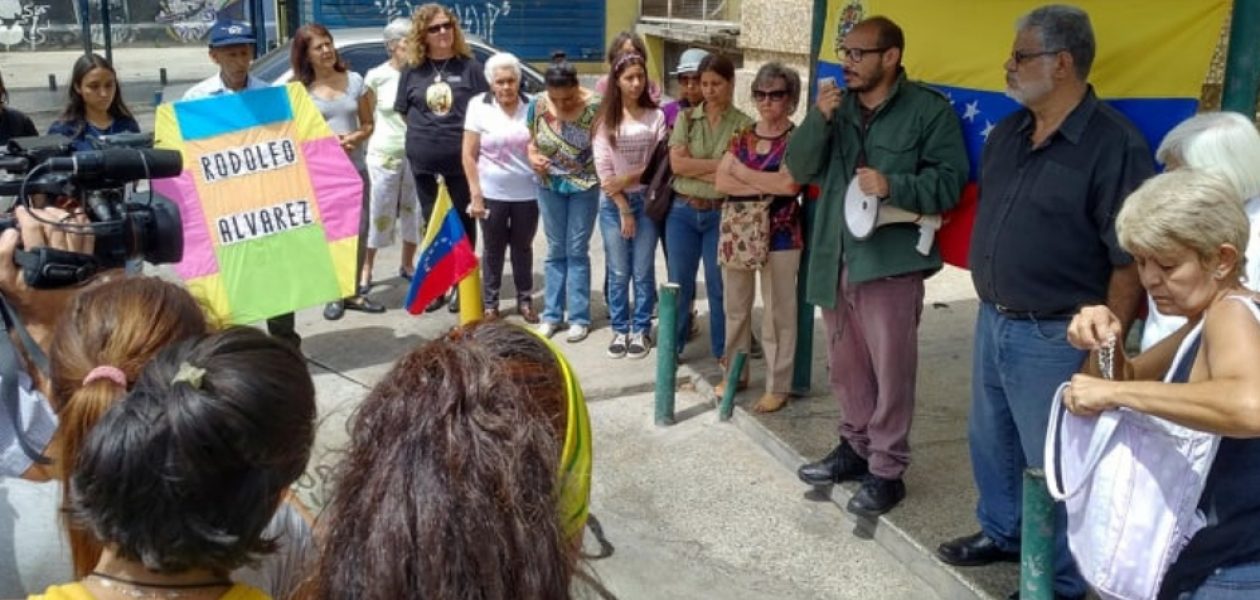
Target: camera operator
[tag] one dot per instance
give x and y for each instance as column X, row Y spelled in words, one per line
column 37, row 310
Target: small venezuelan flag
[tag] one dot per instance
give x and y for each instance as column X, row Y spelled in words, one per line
column 446, row 256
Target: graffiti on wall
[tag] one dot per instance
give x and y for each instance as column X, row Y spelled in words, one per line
column 48, row 24
column 476, row 18
column 190, row 20
column 22, row 23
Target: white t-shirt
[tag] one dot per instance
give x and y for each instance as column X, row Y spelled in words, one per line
column 388, row 139
column 503, row 162
column 1159, row 326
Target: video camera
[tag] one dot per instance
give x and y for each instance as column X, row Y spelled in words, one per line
column 124, row 226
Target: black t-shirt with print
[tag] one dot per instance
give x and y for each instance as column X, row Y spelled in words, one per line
column 433, row 99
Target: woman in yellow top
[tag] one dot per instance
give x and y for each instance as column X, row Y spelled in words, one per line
column 180, row 478
column 701, row 137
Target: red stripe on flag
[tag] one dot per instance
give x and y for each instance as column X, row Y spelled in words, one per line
column 446, row 272
column 955, row 234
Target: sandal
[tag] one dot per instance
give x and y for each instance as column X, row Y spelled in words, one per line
column 770, row 402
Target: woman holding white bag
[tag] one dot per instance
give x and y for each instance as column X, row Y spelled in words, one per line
column 1188, row 234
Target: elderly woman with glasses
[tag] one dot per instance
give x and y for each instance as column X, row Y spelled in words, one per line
column 433, row 95
column 394, row 206
column 502, row 183
column 752, row 174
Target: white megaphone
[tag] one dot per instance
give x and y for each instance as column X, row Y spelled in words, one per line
column 864, row 212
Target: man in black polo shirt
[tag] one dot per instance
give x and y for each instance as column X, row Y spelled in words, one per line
column 1053, row 176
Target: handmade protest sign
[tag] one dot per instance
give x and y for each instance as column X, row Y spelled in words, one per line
column 270, row 202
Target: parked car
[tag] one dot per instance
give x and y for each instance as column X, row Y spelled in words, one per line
column 364, row 47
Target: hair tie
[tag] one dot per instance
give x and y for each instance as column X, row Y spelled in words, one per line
column 625, row 58
column 190, row 374
column 111, row 373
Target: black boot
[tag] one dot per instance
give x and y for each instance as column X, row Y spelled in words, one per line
column 842, row 464
column 877, row 496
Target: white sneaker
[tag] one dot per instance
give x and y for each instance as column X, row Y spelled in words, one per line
column 617, row 348
column 639, row 345
column 577, row 333
column 547, row 330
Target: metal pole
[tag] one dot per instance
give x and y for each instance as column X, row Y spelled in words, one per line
column 666, row 353
column 258, row 20
column 107, row 34
column 1036, row 553
column 1242, row 64
column 85, row 24
column 732, row 384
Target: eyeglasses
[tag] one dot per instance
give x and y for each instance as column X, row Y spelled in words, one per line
column 440, row 27
column 1020, row 57
column 856, row 54
column 775, row 95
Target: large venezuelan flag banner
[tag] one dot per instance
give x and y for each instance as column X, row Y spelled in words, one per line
column 270, row 202
column 1152, row 58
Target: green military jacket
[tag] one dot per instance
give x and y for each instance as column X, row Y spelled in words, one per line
column 916, row 141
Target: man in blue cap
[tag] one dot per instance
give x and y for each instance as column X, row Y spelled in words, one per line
column 232, row 48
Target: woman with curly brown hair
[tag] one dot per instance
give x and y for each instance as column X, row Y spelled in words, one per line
column 451, row 475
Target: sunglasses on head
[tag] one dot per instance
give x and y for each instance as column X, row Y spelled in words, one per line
column 776, row 95
column 440, row 27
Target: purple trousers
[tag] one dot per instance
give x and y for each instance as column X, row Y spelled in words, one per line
column 873, row 357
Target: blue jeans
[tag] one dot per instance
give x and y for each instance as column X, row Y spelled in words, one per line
column 1016, row 367
column 1239, row 582
column 692, row 235
column 629, row 259
column 568, row 222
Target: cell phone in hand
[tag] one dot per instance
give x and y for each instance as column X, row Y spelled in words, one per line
column 827, row 82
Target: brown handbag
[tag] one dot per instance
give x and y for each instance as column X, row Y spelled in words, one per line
column 744, row 233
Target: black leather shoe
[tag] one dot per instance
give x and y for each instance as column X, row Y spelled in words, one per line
column 974, row 551
column 362, row 303
column 437, row 303
column 877, row 496
column 842, row 464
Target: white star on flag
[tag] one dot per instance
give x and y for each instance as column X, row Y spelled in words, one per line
column 972, row 111
column 988, row 127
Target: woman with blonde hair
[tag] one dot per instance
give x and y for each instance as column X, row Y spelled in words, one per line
column 433, row 94
column 1228, row 144
column 1187, row 232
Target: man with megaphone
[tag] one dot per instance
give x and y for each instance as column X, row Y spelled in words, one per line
column 890, row 142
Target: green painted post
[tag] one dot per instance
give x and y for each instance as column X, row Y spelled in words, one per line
column 803, row 362
column 666, row 353
column 1036, row 553
column 1242, row 64
column 732, row 386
